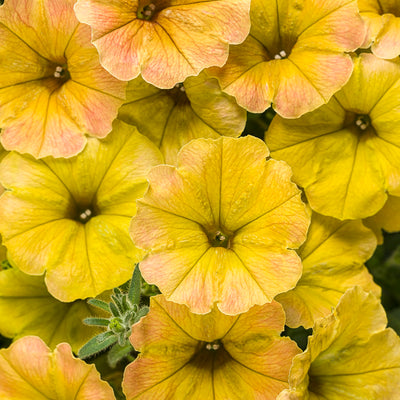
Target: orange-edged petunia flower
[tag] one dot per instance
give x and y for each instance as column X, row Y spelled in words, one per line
column 332, row 256
column 30, row 370
column 53, row 90
column 171, row 118
column 164, row 40
column 222, row 226
column 70, row 217
column 388, row 218
column 383, row 26
column 27, row 308
column 206, row 357
column 350, row 355
column 295, row 56
column 346, row 154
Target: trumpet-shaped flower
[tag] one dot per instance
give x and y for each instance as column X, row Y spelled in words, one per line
column 171, row 118
column 30, row 370
column 222, row 226
column 165, row 41
column 383, row 26
column 27, row 308
column 205, row 357
column 70, row 217
column 53, row 90
column 346, row 154
column 349, row 356
column 332, row 257
column 295, row 56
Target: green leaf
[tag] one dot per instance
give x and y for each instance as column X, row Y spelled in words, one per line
column 97, row 344
column 118, row 353
column 96, row 321
column 134, row 288
column 99, row 304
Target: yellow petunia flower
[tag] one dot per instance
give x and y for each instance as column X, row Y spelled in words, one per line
column 349, row 356
column 27, row 308
column 53, row 90
column 295, row 56
column 171, row 118
column 70, row 217
column 164, row 40
column 332, row 256
column 346, row 154
column 205, row 357
column 383, row 26
column 30, row 370
column 222, row 226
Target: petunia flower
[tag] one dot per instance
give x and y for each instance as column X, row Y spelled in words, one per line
column 332, row 256
column 350, row 355
column 221, row 227
column 346, row 154
column 383, row 26
column 70, row 217
column 213, row 356
column 165, row 41
column 192, row 109
column 295, row 55
column 29, row 370
column 53, row 90
column 27, row 308
column 388, row 218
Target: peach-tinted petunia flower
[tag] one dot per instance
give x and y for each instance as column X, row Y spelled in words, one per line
column 70, row 217
column 29, row 370
column 27, row 308
column 388, row 218
column 164, row 40
column 349, row 356
column 382, row 18
column 346, row 154
column 53, row 90
column 332, row 257
column 206, row 357
column 222, row 226
column 294, row 56
column 172, row 117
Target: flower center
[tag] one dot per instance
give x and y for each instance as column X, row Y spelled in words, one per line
column 61, row 73
column 219, row 239
column 213, row 346
column 279, row 56
column 362, row 122
column 85, row 215
column 146, row 12
column 178, row 93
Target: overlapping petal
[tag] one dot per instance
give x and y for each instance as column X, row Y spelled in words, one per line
column 29, row 370
column 349, row 355
column 53, row 90
column 171, row 118
column 70, row 217
column 388, row 218
column 332, row 257
column 27, row 308
column 213, row 356
column 330, row 149
column 383, row 22
column 295, row 56
column 222, row 226
column 165, row 41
